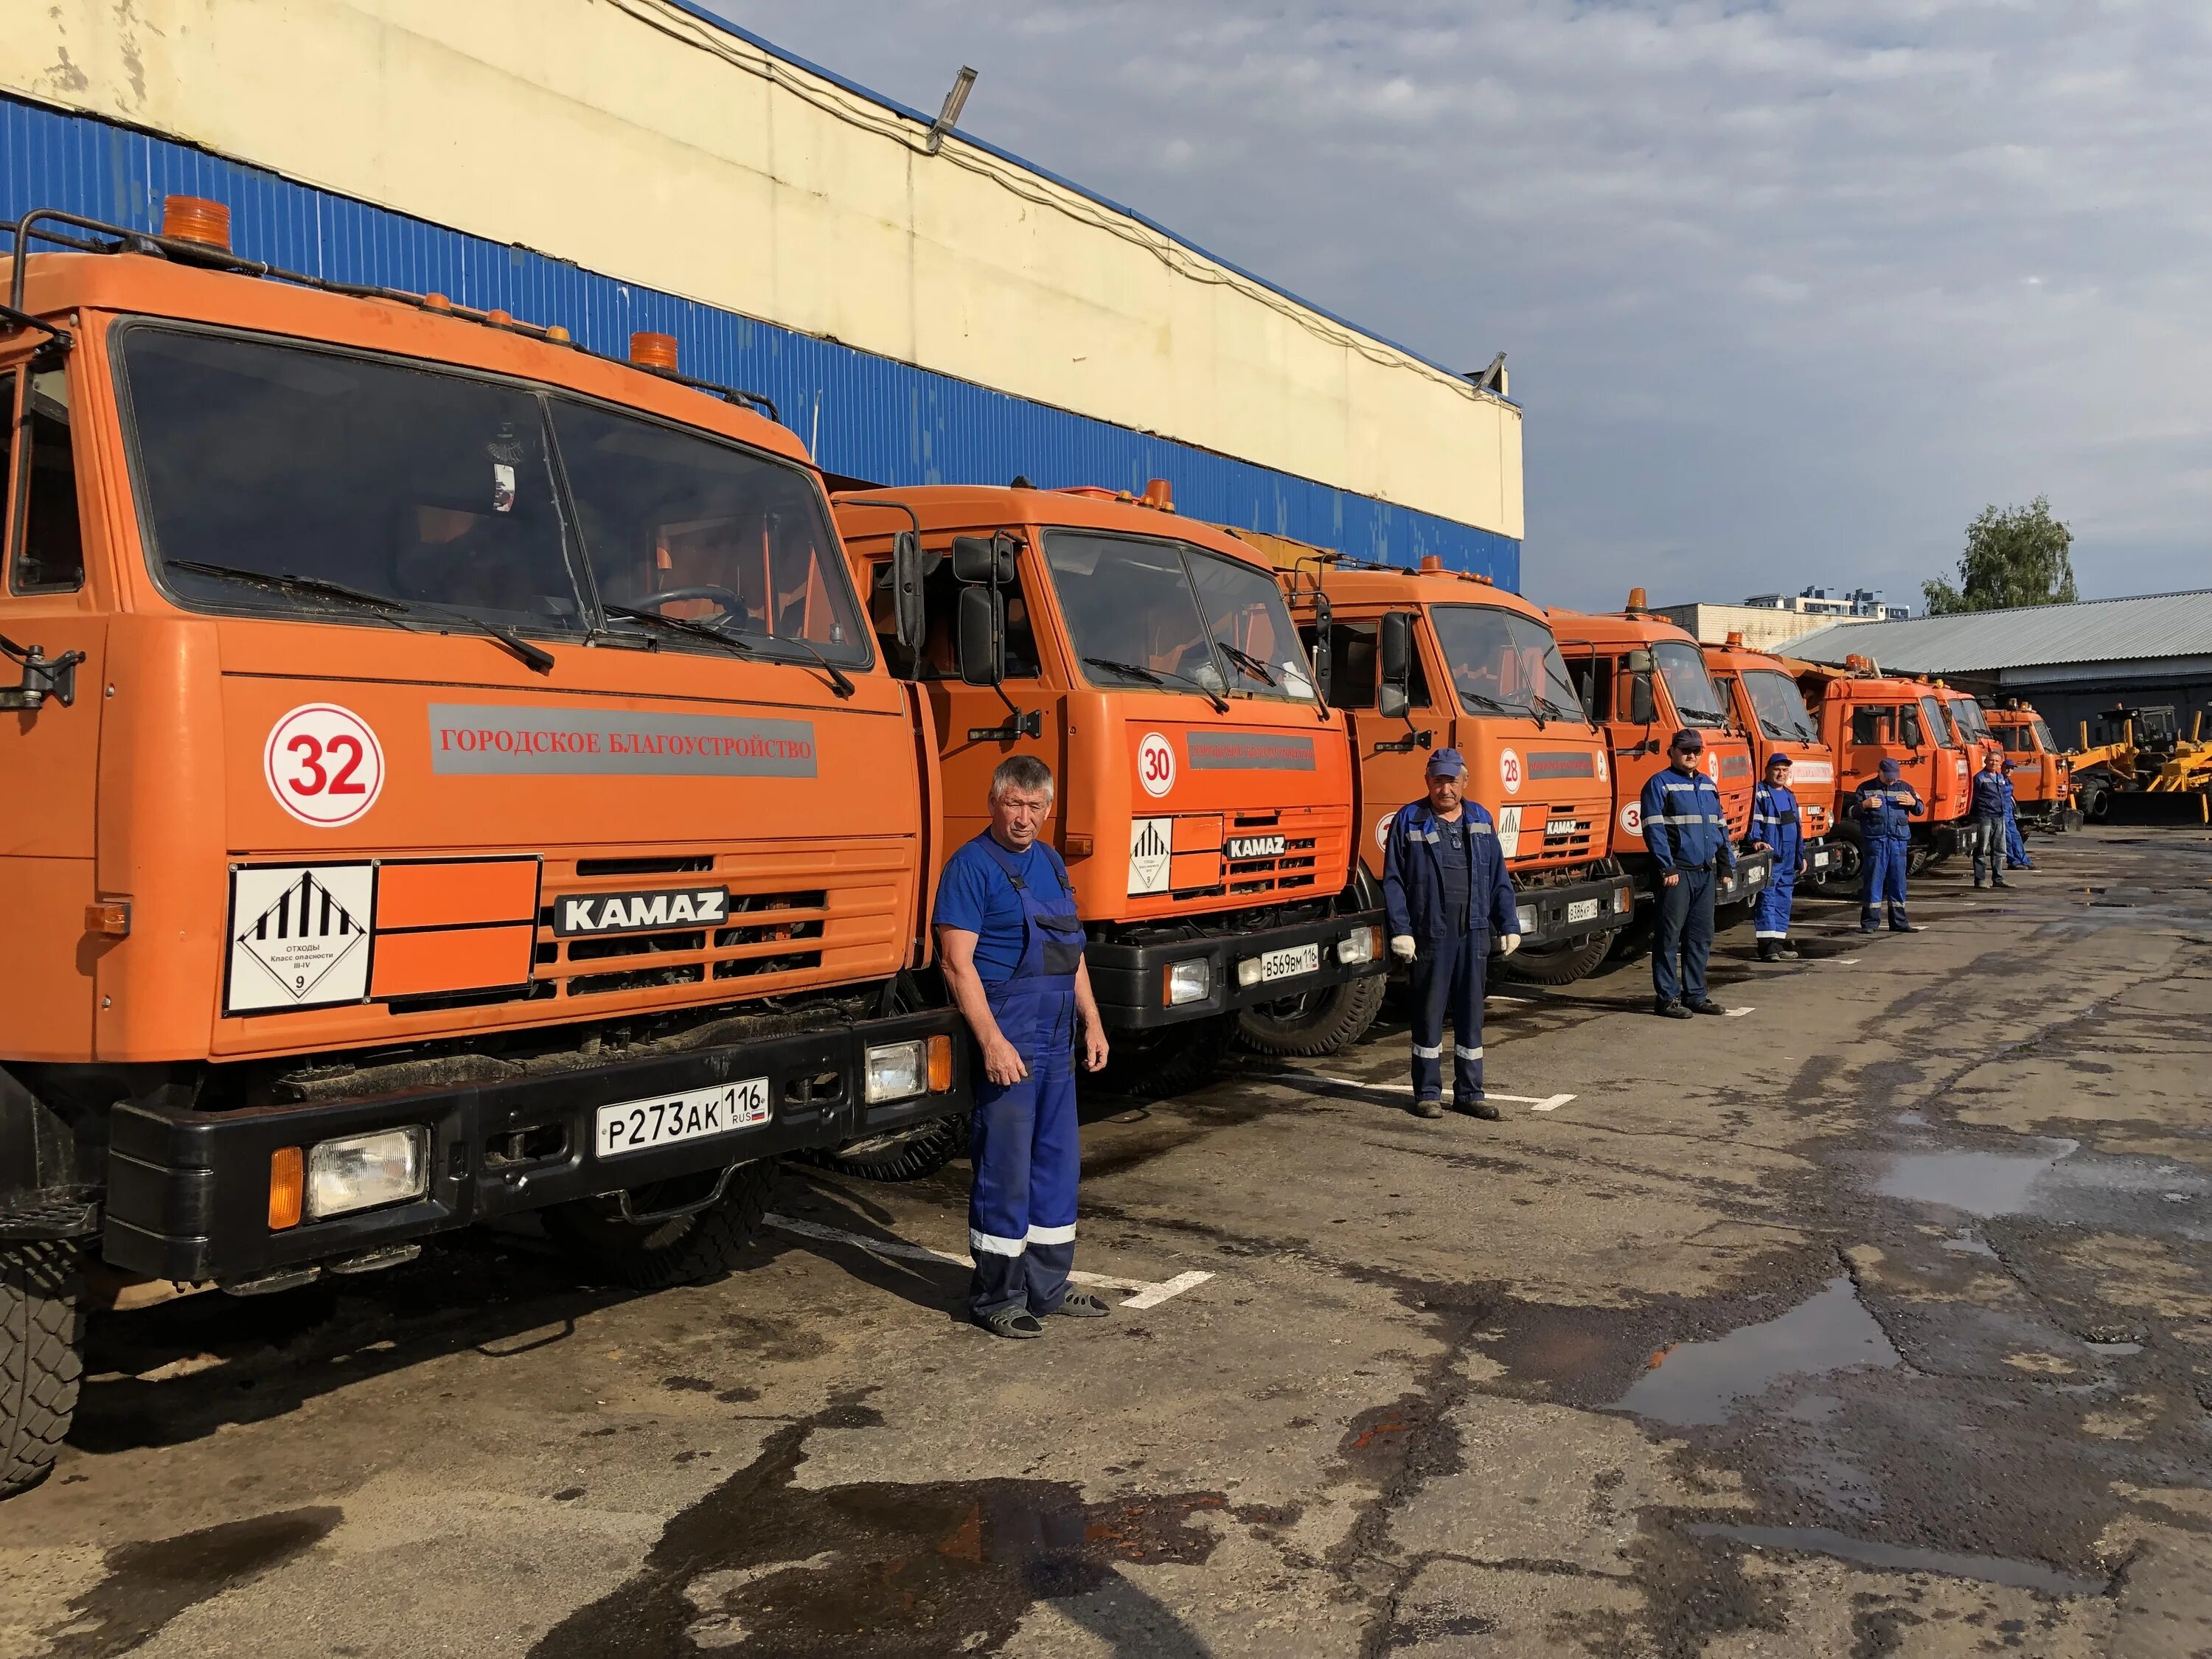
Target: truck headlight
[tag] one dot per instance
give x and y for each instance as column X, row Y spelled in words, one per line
column 1189, row 982
column 1528, row 919
column 359, row 1172
column 1360, row 944
column 1248, row 971
column 895, row 1070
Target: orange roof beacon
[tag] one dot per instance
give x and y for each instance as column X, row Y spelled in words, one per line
column 1765, row 702
column 1644, row 679
column 1429, row 658
column 450, row 774
column 1205, row 800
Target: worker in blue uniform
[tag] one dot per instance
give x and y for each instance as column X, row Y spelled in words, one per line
column 1777, row 827
column 2016, row 856
column 1685, row 830
column 1448, row 897
column 1884, row 807
column 1986, row 815
column 1013, row 954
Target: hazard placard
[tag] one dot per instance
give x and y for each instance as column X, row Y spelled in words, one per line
column 1151, row 848
column 299, row 936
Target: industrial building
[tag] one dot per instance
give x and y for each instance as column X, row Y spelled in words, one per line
column 1769, row 622
column 921, row 305
column 2071, row 661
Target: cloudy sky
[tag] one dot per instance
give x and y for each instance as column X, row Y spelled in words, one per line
column 1789, row 289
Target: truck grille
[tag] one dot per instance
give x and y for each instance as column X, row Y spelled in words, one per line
column 1313, row 839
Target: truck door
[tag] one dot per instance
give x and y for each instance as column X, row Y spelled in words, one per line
column 1391, row 760
column 49, row 753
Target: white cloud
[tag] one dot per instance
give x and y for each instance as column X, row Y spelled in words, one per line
column 1790, row 289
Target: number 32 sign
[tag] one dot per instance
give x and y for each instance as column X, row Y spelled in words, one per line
column 324, row 765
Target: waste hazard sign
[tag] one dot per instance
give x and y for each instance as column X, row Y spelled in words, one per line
column 1151, row 844
column 299, row 936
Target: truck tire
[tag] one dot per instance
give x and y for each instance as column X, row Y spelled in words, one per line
column 1180, row 1059
column 902, row 1155
column 1320, row 1023
column 41, row 1358
column 1555, row 964
column 2096, row 804
column 682, row 1249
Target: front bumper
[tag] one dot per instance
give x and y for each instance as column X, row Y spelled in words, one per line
column 1753, row 875
column 1560, row 915
column 1131, row 981
column 188, row 1191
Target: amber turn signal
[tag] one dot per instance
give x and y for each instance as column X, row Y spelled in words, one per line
column 287, row 1187
column 110, row 918
column 940, row 1064
column 1075, row 847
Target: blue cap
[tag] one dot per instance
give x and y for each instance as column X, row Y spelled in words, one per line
column 2008, row 766
column 1686, row 742
column 1892, row 767
column 1450, row 762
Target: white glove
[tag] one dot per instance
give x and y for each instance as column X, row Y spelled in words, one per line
column 1508, row 944
column 1401, row 947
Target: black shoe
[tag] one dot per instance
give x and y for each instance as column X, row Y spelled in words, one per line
column 1481, row 1108
column 1769, row 953
column 1786, row 950
column 1428, row 1106
column 1670, row 1010
column 1017, row 1323
column 1980, row 885
column 1907, row 928
column 1871, row 931
column 2000, row 884
column 1707, row 1005
column 1081, row 1305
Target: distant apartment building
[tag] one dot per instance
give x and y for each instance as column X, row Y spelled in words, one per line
column 1768, row 622
column 1860, row 604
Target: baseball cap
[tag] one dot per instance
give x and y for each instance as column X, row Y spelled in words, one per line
column 1686, row 742
column 1449, row 761
column 1892, row 768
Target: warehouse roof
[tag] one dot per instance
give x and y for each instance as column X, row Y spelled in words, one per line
column 2096, row 631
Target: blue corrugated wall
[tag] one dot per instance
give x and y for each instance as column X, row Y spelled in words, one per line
column 862, row 416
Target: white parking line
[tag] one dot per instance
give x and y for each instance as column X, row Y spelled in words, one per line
column 1148, row 1293
column 1737, row 1014
column 1844, row 962
column 1534, row 1102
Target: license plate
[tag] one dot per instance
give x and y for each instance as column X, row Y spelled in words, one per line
column 1582, row 910
column 638, row 1125
column 1754, row 875
column 1288, row 963
column 1819, row 861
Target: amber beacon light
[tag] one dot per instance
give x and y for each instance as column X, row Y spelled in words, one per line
column 196, row 219
column 654, row 351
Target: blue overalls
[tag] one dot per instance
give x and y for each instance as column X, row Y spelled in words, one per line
column 1685, row 831
column 2016, row 856
column 1451, row 953
column 1774, row 820
column 1885, row 813
column 1021, row 1210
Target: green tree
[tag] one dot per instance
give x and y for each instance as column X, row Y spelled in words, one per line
column 2015, row 557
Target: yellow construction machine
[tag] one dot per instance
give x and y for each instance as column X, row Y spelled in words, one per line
column 2141, row 752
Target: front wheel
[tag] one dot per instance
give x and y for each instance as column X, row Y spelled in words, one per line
column 41, row 1358
column 1555, row 964
column 1318, row 1023
column 1173, row 1061
column 675, row 1248
column 906, row 1154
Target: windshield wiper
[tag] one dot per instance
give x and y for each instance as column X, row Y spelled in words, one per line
column 704, row 630
column 533, row 656
column 1246, row 661
column 1689, row 713
column 1159, row 677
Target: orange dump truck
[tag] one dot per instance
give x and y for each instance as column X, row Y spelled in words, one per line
column 1428, row 660
column 2042, row 776
column 449, row 775
column 1868, row 717
column 1642, row 680
column 1764, row 700
column 1205, row 794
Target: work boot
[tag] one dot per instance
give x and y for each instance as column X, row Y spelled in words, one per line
column 2000, row 882
column 1670, row 1010
column 1769, row 952
column 1017, row 1323
column 1481, row 1108
column 1907, row 928
column 1081, row 1305
column 1706, row 1006
column 1980, row 883
column 1428, row 1106
column 1785, row 950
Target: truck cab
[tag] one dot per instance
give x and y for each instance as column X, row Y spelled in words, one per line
column 1419, row 660
column 1205, row 802
column 1867, row 717
column 1642, row 680
column 430, row 795
column 2042, row 777
column 1765, row 702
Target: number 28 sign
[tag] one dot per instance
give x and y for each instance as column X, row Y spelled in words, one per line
column 324, row 765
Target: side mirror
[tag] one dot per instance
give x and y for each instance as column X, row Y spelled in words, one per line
column 1642, row 708
column 1324, row 660
column 986, row 559
column 1393, row 695
column 913, row 623
column 982, row 636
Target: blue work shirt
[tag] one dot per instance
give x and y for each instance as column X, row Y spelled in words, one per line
column 1775, row 820
column 1991, row 794
column 1413, row 895
column 975, row 896
column 1685, row 826
column 1886, row 812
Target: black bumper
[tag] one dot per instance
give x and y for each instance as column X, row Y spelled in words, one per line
column 188, row 1192
column 1560, row 915
column 1130, row 981
column 1754, row 873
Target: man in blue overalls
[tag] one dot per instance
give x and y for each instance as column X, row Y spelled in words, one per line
column 1685, row 831
column 1884, row 807
column 2016, row 856
column 1012, row 955
column 1447, row 895
column 1775, row 826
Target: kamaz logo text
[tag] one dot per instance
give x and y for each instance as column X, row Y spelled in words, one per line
column 1254, row 846
column 632, row 912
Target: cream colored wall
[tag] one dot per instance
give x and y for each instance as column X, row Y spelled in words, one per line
column 1762, row 630
column 635, row 140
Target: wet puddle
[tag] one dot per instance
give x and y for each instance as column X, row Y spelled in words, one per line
column 1973, row 1183
column 1702, row 1383
column 1895, row 1557
column 2056, row 1182
column 149, row 1584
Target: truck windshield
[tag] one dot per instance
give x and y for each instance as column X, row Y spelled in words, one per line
column 309, row 482
column 2043, row 736
column 1504, row 662
column 1696, row 698
column 1782, row 713
column 1938, row 727
column 1169, row 610
column 1967, row 713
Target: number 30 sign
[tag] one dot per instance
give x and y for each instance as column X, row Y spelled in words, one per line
column 324, row 765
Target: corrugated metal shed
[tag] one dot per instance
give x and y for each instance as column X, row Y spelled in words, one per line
column 2150, row 625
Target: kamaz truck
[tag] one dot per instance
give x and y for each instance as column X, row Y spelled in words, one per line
column 1867, row 717
column 2042, row 776
column 1764, row 700
column 447, row 774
